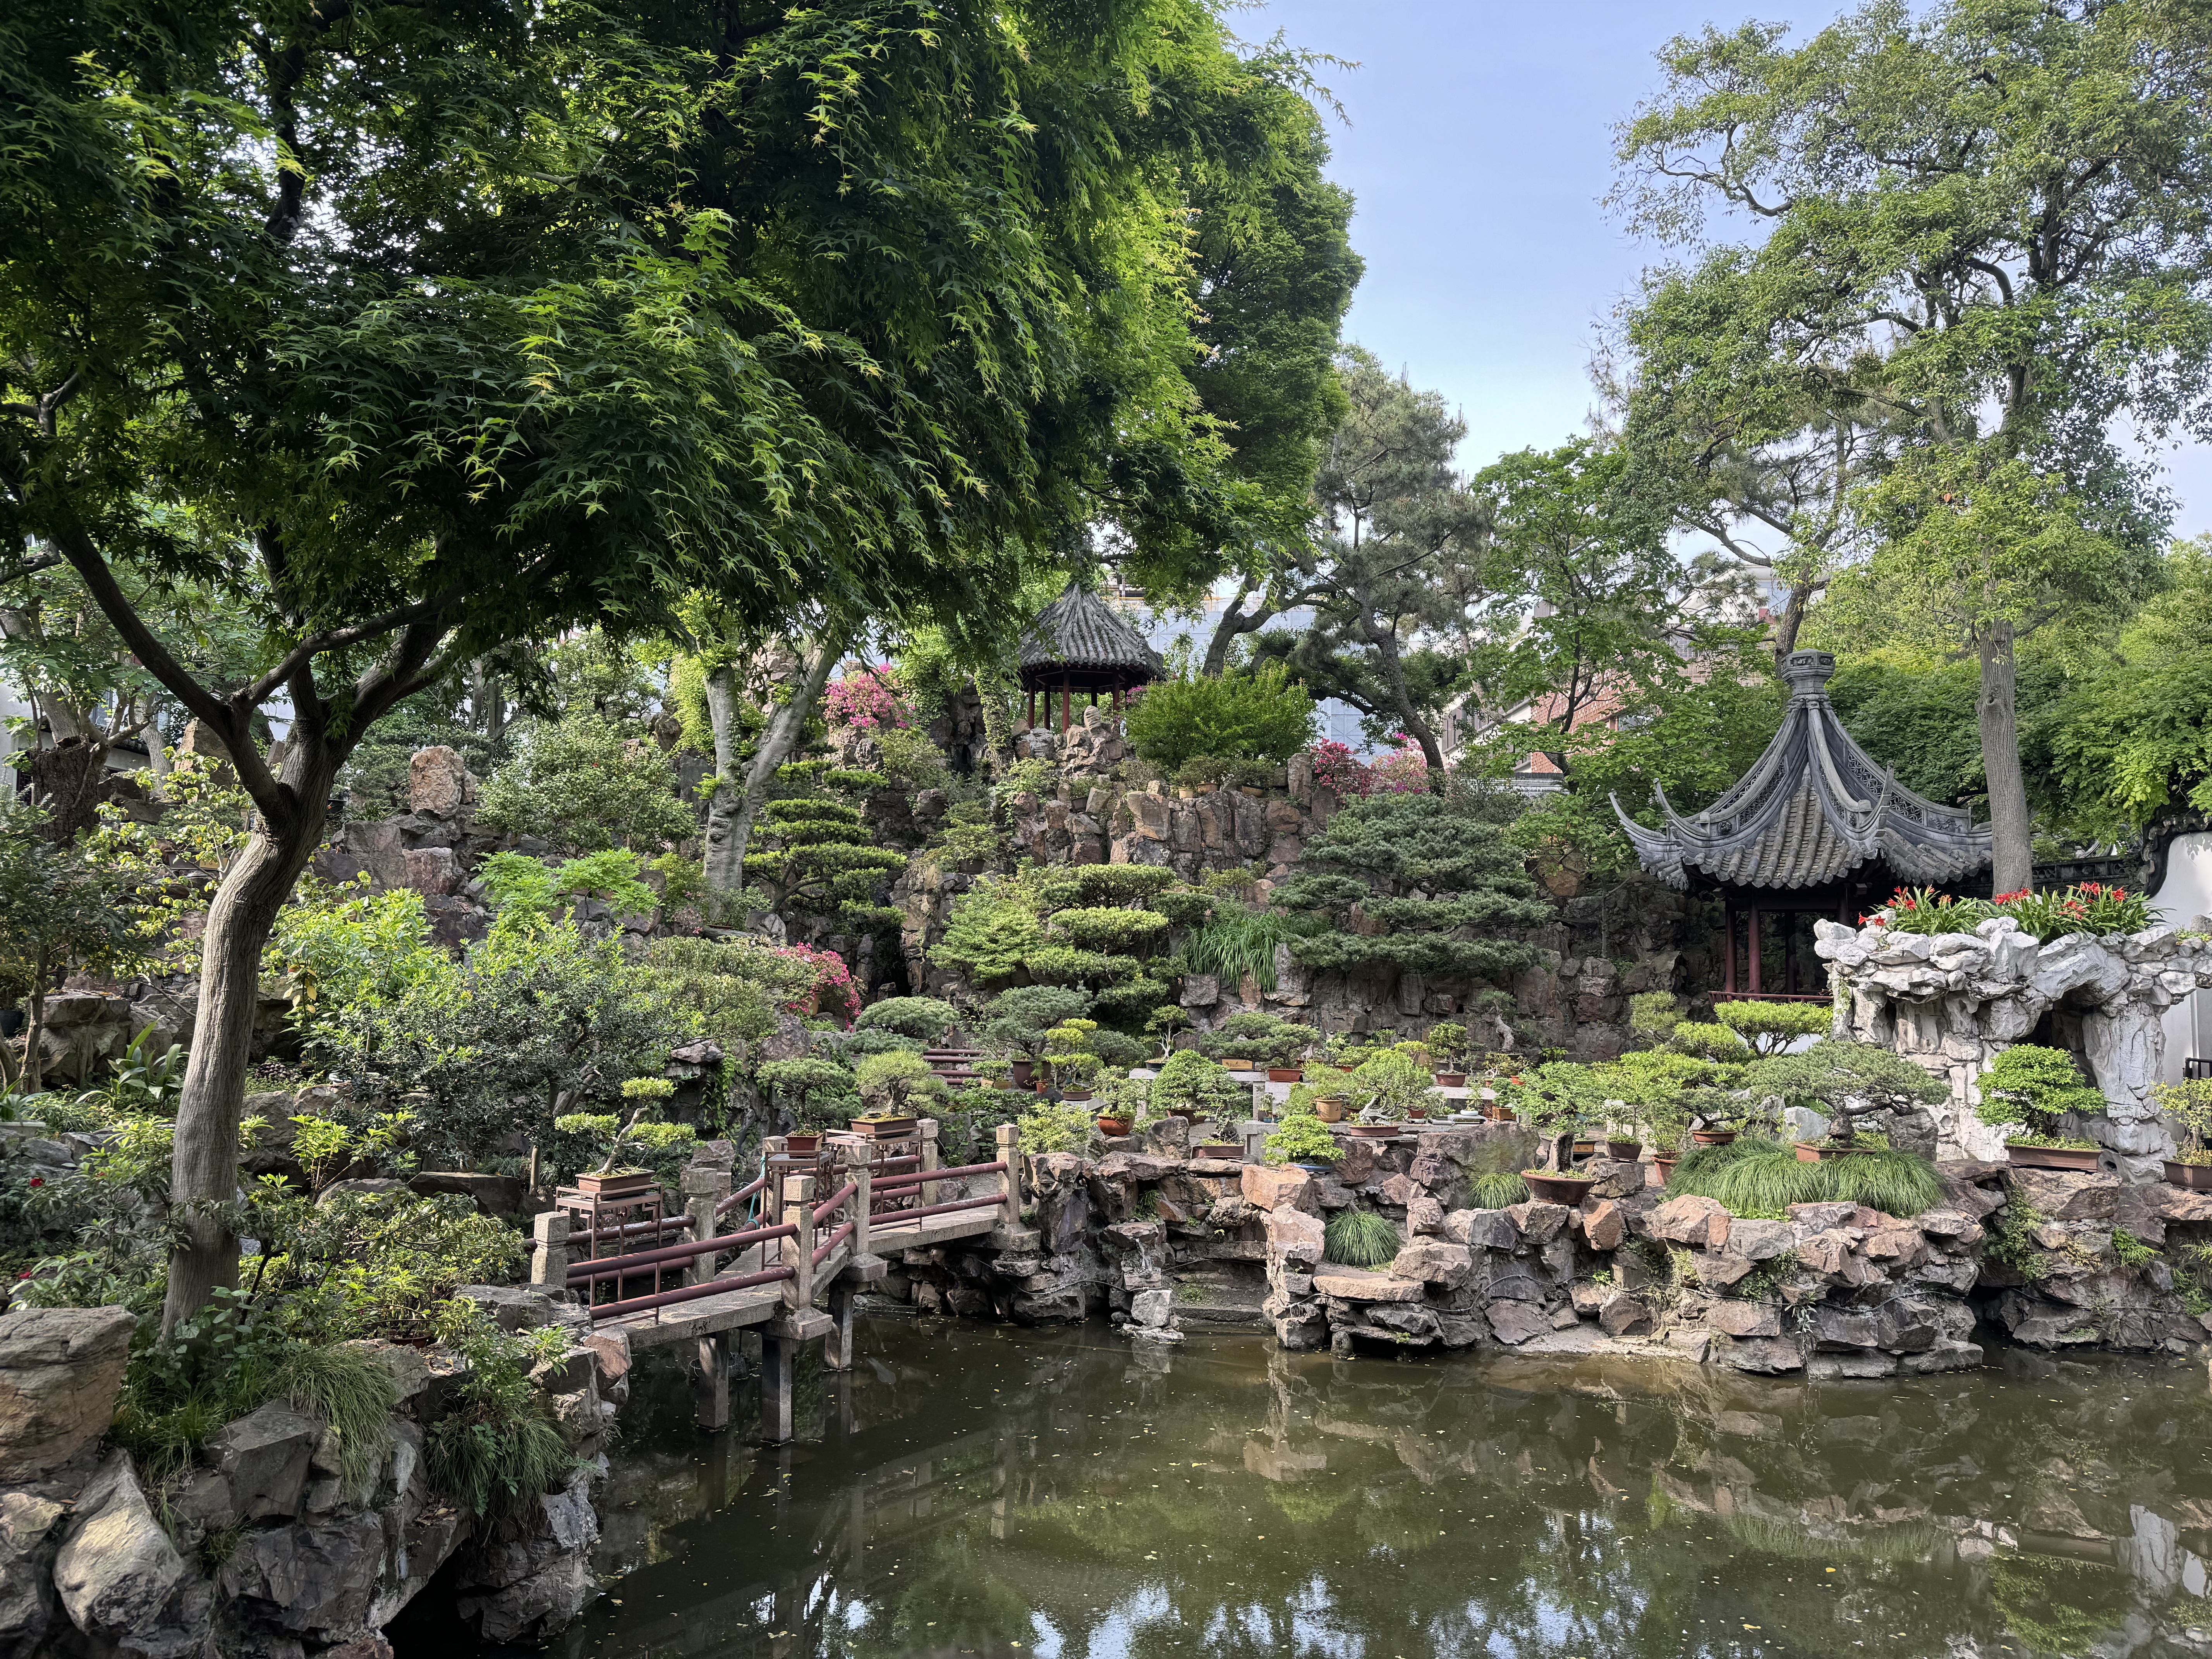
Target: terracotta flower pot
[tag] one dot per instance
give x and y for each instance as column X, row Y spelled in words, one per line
column 1623, row 1151
column 1286, row 1073
column 1217, row 1149
column 1417, row 1114
column 1451, row 1079
column 1714, row 1137
column 1330, row 1109
column 1570, row 1190
column 884, row 1129
column 1374, row 1131
column 806, row 1143
column 1075, row 1094
column 1023, row 1070
column 2082, row 1159
column 1114, row 1126
column 2196, row 1177
column 1664, row 1164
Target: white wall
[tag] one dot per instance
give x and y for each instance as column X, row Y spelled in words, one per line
column 2186, row 894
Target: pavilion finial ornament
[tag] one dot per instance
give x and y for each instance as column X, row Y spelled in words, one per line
column 1811, row 809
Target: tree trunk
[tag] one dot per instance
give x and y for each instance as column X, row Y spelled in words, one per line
column 1791, row 620
column 157, row 757
column 73, row 776
column 485, row 701
column 203, row 1170
column 1235, row 621
column 34, row 1061
column 730, row 814
column 721, row 874
column 996, row 741
column 2011, row 866
column 1401, row 697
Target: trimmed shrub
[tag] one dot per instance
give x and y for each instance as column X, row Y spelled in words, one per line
column 924, row 1018
column 1262, row 715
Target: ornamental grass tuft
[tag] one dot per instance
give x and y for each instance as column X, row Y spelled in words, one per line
column 1361, row 1238
column 1765, row 1178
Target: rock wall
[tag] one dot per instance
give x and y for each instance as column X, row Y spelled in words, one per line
column 257, row 1547
column 1160, row 1240
column 1952, row 1002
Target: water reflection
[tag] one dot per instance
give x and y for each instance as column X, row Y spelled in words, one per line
column 975, row 1490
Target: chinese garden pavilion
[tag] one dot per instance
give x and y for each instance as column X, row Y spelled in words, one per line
column 1815, row 828
column 1079, row 643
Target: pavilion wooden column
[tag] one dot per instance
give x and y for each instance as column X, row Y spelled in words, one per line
column 1754, row 949
column 1727, row 947
column 1067, row 700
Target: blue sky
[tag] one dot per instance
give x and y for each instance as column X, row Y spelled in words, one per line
column 1479, row 145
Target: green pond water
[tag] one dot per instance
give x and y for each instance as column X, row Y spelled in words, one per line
column 1061, row 1494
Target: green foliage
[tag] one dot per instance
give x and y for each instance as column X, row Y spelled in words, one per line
column 1709, row 1040
column 2088, row 908
column 1558, row 1096
column 1140, row 884
column 896, row 1082
column 1017, row 1020
column 142, row 1080
column 1191, row 1082
column 347, row 944
column 1653, row 1015
column 1436, row 884
column 994, row 926
column 1361, row 1238
column 820, row 1093
column 1770, row 1027
column 1447, row 1044
column 1302, row 1137
column 1393, row 1083
column 1240, row 942
column 1053, row 964
column 818, row 856
column 2011, row 1242
column 1131, row 1002
column 1183, row 908
column 1915, row 710
column 1107, row 929
column 1833, row 1077
column 1497, row 1189
column 520, row 886
column 218, row 1365
column 581, row 783
column 1761, row 1178
column 1261, row 714
column 2190, row 1105
column 2040, row 1088
column 351, row 1393
column 911, row 761
column 377, row 1264
column 496, row 1449
column 2133, row 1254
column 924, row 1018
column 58, row 912
column 1046, row 1127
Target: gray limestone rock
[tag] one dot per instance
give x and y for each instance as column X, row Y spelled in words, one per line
column 60, row 1369
column 117, row 1567
column 264, row 1457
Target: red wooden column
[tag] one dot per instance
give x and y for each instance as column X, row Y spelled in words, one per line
column 1067, row 700
column 1728, row 946
column 1754, row 949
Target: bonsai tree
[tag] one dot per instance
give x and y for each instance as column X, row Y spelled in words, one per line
column 925, row 1019
column 1118, row 1095
column 1653, row 1015
column 816, row 1091
column 1447, row 1045
column 1559, row 1097
column 1164, row 1022
column 617, row 1136
column 1191, row 1082
column 1771, row 1027
column 1301, row 1138
column 1392, row 1083
column 1838, row 1079
column 1246, row 1034
column 2040, row 1091
column 1708, row 1041
column 1018, row 1019
column 892, row 1084
column 1067, row 1049
column 1653, row 1083
column 2190, row 1105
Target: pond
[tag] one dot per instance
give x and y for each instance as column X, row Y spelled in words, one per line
column 993, row 1491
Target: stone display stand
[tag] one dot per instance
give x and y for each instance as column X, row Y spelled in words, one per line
column 1952, row 1002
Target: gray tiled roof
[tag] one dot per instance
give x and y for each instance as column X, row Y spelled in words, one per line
column 1811, row 809
column 1078, row 630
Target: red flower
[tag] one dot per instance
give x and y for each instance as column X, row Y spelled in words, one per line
column 37, row 1181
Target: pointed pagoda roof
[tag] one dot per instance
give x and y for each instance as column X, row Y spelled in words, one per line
column 1078, row 635
column 1813, row 810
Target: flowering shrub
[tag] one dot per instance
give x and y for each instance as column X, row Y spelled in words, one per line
column 1335, row 767
column 870, row 700
column 1405, row 771
column 2092, row 908
column 835, row 993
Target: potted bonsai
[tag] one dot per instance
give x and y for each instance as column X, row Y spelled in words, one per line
column 618, row 1137
column 892, row 1086
column 1121, row 1100
column 1558, row 1186
column 1557, row 1098
column 1447, row 1046
column 1067, row 1051
column 2037, row 1097
column 1287, row 1051
column 1239, row 1040
column 1302, row 1138
column 1327, row 1087
column 1162, row 1023
column 2190, row 1105
column 1839, row 1080
column 1191, row 1086
column 1392, row 1086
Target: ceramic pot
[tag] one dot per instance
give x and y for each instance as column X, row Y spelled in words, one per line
column 1286, row 1073
column 1664, row 1166
column 2082, row 1159
column 618, row 1184
column 1451, row 1079
column 1330, row 1109
column 1623, row 1151
column 1115, row 1127
column 1570, row 1190
column 2196, row 1177
column 1714, row 1137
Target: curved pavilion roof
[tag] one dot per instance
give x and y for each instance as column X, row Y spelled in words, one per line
column 1814, row 808
column 1080, row 639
